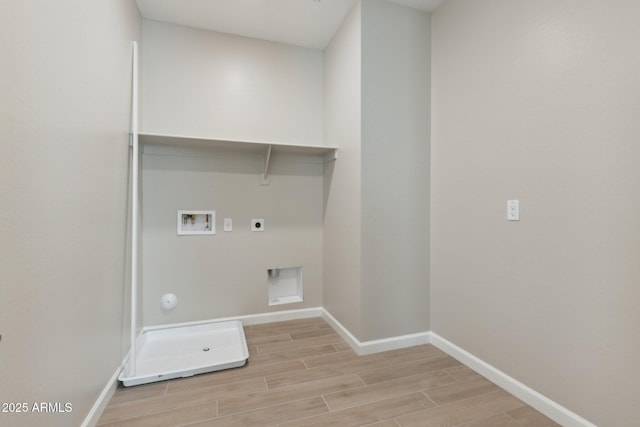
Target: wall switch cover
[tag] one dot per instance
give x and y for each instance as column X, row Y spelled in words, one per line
column 228, row 224
column 513, row 210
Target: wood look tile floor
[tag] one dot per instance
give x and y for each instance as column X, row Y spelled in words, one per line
column 301, row 373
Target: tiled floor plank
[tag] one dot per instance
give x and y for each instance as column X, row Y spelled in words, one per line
column 364, row 363
column 406, row 369
column 270, row 416
column 386, row 390
column 286, row 394
column 367, row 414
column 478, row 407
column 168, row 418
column 461, row 390
column 301, row 373
column 529, row 417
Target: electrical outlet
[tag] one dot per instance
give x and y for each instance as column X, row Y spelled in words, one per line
column 513, row 210
column 257, row 224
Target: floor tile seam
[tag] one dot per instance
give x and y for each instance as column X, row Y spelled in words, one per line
column 458, row 382
column 160, row 411
column 298, row 346
column 395, row 396
column 207, row 389
column 290, row 341
column 430, row 400
column 273, row 406
column 467, row 398
column 475, row 420
column 134, row 402
column 550, row 424
column 329, row 375
column 407, row 364
column 319, row 394
column 284, row 423
column 328, row 364
column 354, row 355
column 273, row 362
column 404, row 377
column 323, row 334
column 196, row 422
column 464, row 379
column 379, row 421
column 268, row 337
column 461, row 401
column 137, row 416
column 333, row 371
column 417, row 360
column 286, row 329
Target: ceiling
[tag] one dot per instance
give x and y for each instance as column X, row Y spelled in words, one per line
column 307, row 23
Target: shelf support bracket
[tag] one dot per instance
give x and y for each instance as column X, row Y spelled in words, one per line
column 331, row 155
column 267, row 161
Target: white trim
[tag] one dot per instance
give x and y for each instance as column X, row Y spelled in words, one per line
column 134, row 207
column 250, row 319
column 375, row 346
column 105, row 396
column 342, row 331
column 548, row 407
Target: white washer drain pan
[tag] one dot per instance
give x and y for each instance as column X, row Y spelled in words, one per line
column 184, row 351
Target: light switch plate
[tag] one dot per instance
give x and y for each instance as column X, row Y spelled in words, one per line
column 513, row 210
column 228, row 224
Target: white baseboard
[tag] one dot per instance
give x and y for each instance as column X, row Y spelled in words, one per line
column 103, row 399
column 548, row 407
column 250, row 319
column 375, row 346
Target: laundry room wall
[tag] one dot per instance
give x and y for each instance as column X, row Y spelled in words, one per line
column 222, row 86
column 203, row 83
column 537, row 101
column 65, row 109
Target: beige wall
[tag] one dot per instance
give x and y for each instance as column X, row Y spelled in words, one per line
column 65, row 80
column 395, row 170
column 225, row 274
column 204, row 83
column 538, row 101
column 376, row 224
column 342, row 179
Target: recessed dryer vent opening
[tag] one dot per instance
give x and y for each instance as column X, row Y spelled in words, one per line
column 285, row 285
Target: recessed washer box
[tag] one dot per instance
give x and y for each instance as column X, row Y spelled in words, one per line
column 285, row 285
column 196, row 222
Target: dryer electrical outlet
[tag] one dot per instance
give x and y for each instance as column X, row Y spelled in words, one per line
column 257, row 224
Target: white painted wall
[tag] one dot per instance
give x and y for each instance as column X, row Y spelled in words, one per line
column 395, row 169
column 229, row 87
column 65, row 80
column 225, row 274
column 538, row 101
column 342, row 182
column 203, row 83
column 376, row 279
